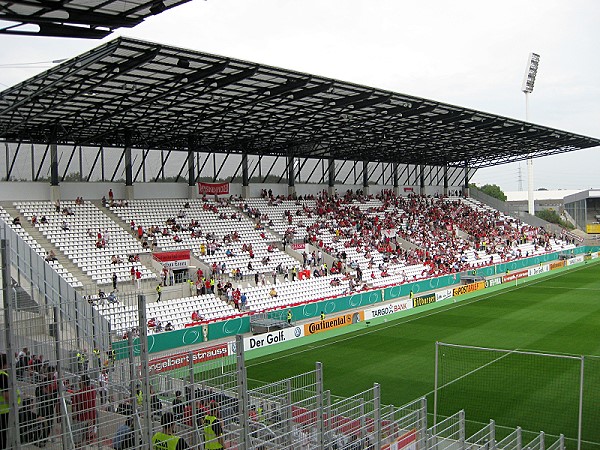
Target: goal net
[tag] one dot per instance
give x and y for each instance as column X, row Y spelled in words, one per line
column 535, row 391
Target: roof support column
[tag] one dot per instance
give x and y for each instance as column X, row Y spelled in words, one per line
column 365, row 183
column 446, row 180
column 395, row 178
column 291, row 173
column 129, row 194
column 331, row 172
column 465, row 190
column 245, row 178
column 191, row 163
column 54, row 188
column 422, row 179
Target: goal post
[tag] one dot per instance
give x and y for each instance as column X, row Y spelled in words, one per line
column 534, row 390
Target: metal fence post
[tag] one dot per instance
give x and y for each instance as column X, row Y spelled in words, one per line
column 461, row 428
column 289, row 416
column 435, row 384
column 193, row 389
column 377, row 414
column 319, row 401
column 243, row 393
column 143, row 339
column 327, row 411
column 13, row 417
column 423, row 420
column 542, row 440
column 580, row 424
column 492, row 434
column 65, row 423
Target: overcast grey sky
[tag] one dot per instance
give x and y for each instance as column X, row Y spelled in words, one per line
column 467, row 53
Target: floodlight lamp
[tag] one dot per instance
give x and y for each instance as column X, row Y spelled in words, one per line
column 530, row 73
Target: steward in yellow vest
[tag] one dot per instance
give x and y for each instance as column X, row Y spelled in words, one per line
column 166, row 439
column 213, row 432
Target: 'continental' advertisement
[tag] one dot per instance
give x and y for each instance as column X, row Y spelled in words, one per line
column 557, row 265
column 515, row 276
column 425, row 300
column 467, row 288
column 335, row 322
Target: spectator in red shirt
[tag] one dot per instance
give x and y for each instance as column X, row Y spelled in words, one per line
column 84, row 412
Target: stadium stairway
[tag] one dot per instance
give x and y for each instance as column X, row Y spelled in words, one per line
column 145, row 259
column 47, row 245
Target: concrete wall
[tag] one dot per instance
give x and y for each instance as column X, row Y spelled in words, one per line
column 29, row 190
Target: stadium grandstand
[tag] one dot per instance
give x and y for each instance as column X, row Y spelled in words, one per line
column 165, row 212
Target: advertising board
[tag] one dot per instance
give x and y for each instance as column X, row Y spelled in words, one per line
column 176, row 259
column 467, row 288
column 272, row 338
column 388, row 309
column 335, row 322
column 178, row 360
column 490, row 282
column 443, row 295
column 514, row 276
column 213, row 188
column 537, row 270
column 423, row 300
column 575, row 260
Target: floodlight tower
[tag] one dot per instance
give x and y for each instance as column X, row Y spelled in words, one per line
column 528, row 82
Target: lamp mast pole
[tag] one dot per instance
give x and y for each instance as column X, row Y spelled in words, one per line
column 528, row 83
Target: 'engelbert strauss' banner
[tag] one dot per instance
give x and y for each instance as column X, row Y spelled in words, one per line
column 177, row 259
column 471, row 287
column 213, row 188
column 515, row 276
column 330, row 324
column 179, row 360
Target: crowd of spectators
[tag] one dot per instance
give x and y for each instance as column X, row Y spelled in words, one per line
column 448, row 234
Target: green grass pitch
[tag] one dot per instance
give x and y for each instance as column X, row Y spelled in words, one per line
column 558, row 313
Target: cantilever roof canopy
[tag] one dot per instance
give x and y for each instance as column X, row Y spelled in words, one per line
column 146, row 95
column 93, row 19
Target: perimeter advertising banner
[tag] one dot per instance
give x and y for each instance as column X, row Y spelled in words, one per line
column 575, row 260
column 178, row 360
column 213, row 188
column 557, row 265
column 177, row 259
column 386, row 310
column 424, row 300
column 490, row 282
column 443, row 295
column 538, row 270
column 471, row 287
column 515, row 276
column 335, row 322
column 273, row 337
